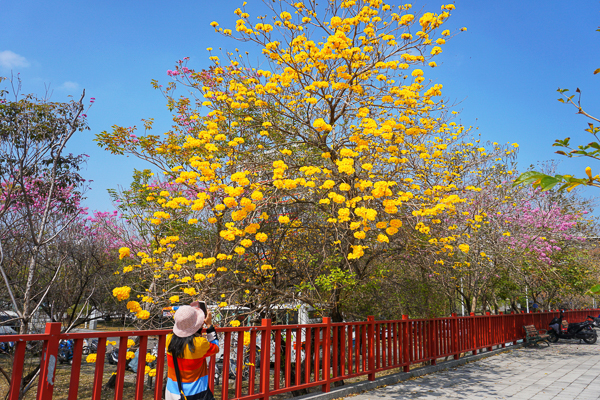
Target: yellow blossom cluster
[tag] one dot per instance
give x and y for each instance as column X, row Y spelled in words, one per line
column 122, row 293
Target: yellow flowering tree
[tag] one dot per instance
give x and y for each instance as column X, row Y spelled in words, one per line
column 307, row 171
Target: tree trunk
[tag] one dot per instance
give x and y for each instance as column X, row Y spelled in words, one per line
column 24, row 328
column 473, row 304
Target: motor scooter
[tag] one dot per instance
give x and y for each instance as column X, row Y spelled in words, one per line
column 578, row 330
column 89, row 346
column 65, row 351
column 7, row 347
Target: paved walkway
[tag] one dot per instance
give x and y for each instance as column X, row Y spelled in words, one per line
column 566, row 371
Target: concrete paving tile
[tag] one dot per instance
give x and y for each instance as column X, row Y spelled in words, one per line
column 562, row 371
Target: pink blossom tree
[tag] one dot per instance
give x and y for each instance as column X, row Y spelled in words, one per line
column 41, row 187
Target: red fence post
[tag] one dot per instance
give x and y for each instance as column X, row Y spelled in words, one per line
column 265, row 359
column 454, row 325
column 17, row 371
column 490, row 335
column 75, row 367
column 503, row 329
column 99, row 368
column 139, row 380
column 474, row 332
column 121, row 366
column 433, row 342
column 373, row 341
column 406, row 348
column 513, row 316
column 326, row 356
column 49, row 361
column 160, row 367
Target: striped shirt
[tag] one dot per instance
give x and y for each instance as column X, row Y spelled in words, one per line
column 193, row 368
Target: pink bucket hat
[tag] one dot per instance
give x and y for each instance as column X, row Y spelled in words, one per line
column 188, row 320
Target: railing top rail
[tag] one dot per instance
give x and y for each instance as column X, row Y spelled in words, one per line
column 353, row 323
column 23, row 338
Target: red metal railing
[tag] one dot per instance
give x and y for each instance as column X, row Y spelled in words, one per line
column 261, row 361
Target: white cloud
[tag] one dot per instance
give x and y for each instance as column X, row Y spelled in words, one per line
column 68, row 85
column 9, row 59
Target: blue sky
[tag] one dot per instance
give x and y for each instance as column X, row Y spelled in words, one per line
column 503, row 72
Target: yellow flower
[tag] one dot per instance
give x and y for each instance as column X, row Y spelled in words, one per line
column 464, row 247
column 383, row 238
column 261, row 237
column 360, row 234
column 320, row 125
column 130, row 355
column 143, row 314
column 133, row 306
column 357, row 252
column 222, row 304
column 124, row 252
column 396, row 223
column 152, row 372
column 174, row 299
column 150, row 358
column 235, row 323
column 91, row 358
column 391, row 231
column 121, row 293
column 284, row 219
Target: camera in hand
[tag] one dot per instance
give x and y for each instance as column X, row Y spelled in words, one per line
column 201, row 305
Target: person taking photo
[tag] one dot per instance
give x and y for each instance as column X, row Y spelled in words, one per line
column 187, row 351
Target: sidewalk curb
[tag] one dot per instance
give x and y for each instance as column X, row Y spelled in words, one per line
column 359, row 387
